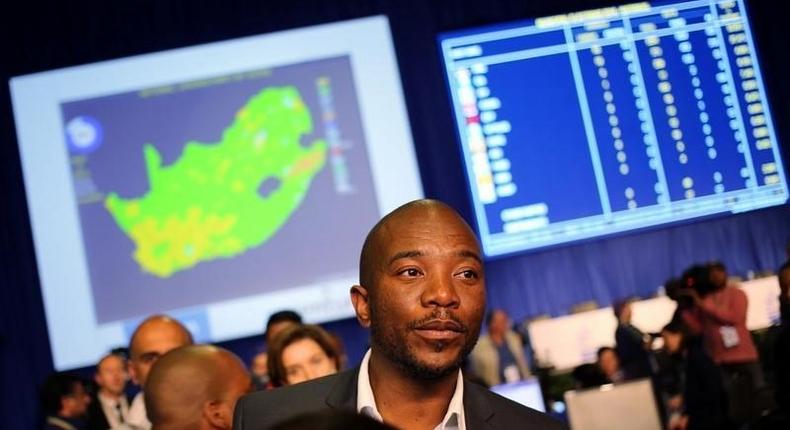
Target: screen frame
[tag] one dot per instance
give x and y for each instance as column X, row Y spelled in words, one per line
column 76, row 339
column 480, row 226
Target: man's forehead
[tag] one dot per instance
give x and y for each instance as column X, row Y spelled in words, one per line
column 427, row 238
column 424, row 225
column 156, row 335
column 426, row 219
column 110, row 361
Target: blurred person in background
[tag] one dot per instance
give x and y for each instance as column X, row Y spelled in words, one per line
column 675, row 289
column 275, row 325
column 781, row 348
column 280, row 321
column 783, row 275
column 64, row 402
column 195, row 387
column 109, row 406
column 718, row 314
column 632, row 346
column 609, row 364
column 698, row 400
column 153, row 338
column 588, row 375
column 301, row 353
column 260, row 371
column 498, row 356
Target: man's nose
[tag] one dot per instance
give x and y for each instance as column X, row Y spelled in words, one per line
column 441, row 292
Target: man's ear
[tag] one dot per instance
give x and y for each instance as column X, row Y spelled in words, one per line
column 218, row 414
column 361, row 303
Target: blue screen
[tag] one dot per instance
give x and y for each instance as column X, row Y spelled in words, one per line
column 604, row 121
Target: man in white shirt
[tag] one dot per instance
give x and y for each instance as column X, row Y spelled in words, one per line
column 110, row 407
column 152, row 339
column 422, row 294
column 499, row 356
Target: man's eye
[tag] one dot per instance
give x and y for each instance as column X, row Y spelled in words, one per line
column 469, row 274
column 149, row 357
column 410, row 272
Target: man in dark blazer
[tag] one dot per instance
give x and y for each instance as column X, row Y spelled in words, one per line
column 109, row 407
column 422, row 294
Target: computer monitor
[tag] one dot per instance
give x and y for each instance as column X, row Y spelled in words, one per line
column 198, row 181
column 605, row 121
column 626, row 406
column 526, row 392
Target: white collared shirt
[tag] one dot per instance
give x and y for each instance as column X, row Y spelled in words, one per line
column 112, row 408
column 137, row 417
column 454, row 419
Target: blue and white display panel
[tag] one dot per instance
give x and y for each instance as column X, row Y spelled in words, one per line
column 217, row 183
column 603, row 121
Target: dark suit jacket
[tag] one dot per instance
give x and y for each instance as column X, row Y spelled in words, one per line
column 634, row 359
column 96, row 418
column 483, row 408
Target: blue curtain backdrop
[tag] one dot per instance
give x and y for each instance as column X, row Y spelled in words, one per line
column 38, row 36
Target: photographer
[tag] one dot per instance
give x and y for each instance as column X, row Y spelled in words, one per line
column 676, row 290
column 718, row 314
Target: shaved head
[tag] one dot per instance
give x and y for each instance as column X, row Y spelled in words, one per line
column 195, row 385
column 154, row 337
column 422, row 290
column 372, row 255
column 160, row 324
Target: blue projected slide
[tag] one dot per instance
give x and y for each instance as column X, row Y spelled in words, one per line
column 196, row 182
column 603, row 121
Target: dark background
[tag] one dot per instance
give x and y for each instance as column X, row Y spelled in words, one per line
column 38, row 36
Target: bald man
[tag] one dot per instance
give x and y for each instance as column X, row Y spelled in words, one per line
column 195, row 387
column 153, row 338
column 422, row 294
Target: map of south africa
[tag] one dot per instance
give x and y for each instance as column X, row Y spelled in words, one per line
column 209, row 203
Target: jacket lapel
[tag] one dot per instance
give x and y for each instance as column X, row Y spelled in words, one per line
column 344, row 392
column 476, row 406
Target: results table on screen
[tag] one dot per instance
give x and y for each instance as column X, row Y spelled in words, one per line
column 613, row 119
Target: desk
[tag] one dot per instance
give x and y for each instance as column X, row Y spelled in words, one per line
column 568, row 341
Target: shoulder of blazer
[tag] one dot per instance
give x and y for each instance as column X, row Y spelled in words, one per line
column 266, row 408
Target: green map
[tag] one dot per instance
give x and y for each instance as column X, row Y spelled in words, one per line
column 207, row 204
